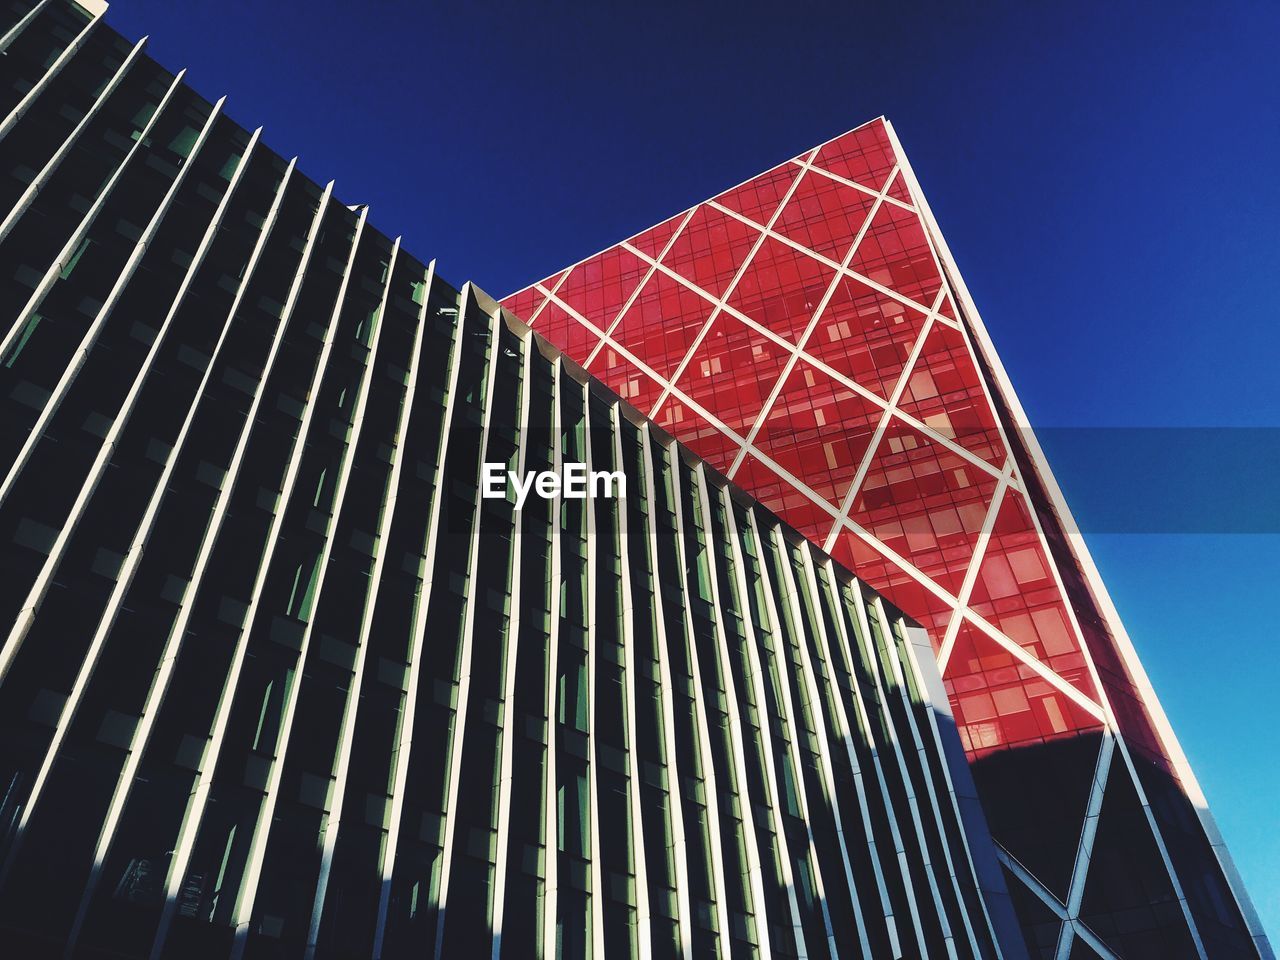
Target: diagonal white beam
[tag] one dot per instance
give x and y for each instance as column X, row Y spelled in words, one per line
column 680, row 853
column 342, row 767
column 466, row 653
column 184, row 845
column 736, row 529
column 1084, row 851
column 261, row 830
column 44, row 579
column 65, row 255
column 1077, row 927
column 1124, row 645
column 671, row 389
column 403, row 749
column 173, row 645
column 700, row 693
column 51, row 165
column 129, row 566
column 733, row 697
column 16, row 30
column 868, row 457
column 506, row 744
column 869, row 191
column 784, row 667
column 54, row 69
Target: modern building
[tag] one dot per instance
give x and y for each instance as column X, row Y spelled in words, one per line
column 808, row 333
column 278, row 679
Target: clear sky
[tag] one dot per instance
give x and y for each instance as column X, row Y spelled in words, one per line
column 1108, row 180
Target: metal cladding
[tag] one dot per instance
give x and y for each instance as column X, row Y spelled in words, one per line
column 808, row 333
column 277, row 681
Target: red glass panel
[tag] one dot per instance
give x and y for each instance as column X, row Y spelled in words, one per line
column 898, row 189
column 905, row 592
column 732, row 372
column 660, row 325
column 781, row 288
column 896, row 254
column 1000, row 701
column 866, row 335
column 651, row 242
column 925, row 503
column 945, row 392
column 759, row 197
column 1015, row 592
column 710, row 249
column 626, row 380
column 894, row 584
column 819, row 431
column 525, row 303
column 762, row 483
column 864, row 155
column 599, row 287
column 824, row 215
column 856, row 554
column 697, row 433
column 565, row 332
column 1123, row 696
column 919, row 498
column 781, row 496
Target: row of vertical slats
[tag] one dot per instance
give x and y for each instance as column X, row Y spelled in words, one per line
column 847, row 718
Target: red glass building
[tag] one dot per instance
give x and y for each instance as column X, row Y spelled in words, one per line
column 808, row 334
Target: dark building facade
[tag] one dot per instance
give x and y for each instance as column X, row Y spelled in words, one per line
column 278, row 681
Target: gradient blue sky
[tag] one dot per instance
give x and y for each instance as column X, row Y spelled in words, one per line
column 1106, row 178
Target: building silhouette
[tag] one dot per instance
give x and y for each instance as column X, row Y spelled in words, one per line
column 277, row 680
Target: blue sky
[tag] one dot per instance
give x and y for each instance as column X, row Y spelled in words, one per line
column 1106, row 180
